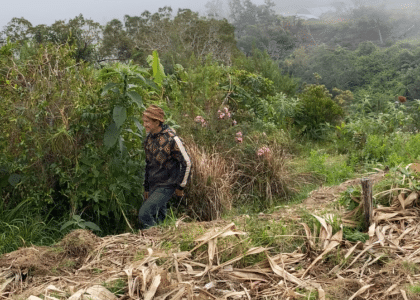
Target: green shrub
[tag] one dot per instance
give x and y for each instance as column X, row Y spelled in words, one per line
column 316, row 108
column 260, row 62
column 73, row 136
column 393, row 150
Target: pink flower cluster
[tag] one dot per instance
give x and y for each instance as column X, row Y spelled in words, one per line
column 264, row 151
column 200, row 119
column 225, row 114
column 239, row 137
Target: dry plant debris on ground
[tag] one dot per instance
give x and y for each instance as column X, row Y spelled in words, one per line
column 84, row 266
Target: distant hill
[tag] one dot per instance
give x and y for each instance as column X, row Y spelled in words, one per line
column 296, row 5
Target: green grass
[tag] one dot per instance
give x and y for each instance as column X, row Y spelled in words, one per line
column 116, row 287
column 411, row 268
column 27, row 231
column 24, row 226
column 414, row 289
column 273, row 233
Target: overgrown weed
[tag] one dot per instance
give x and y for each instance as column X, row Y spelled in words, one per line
column 211, row 184
column 264, row 175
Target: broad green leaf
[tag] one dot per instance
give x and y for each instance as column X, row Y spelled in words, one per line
column 77, row 218
column 92, row 226
column 138, row 77
column 138, row 124
column 131, row 131
column 135, row 97
column 14, row 179
column 111, row 135
column 120, row 115
column 158, row 72
column 107, row 87
column 121, row 143
column 65, row 225
column 86, row 161
column 125, row 185
column 151, row 85
column 116, row 91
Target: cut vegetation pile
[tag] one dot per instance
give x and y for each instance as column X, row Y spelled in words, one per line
column 143, row 266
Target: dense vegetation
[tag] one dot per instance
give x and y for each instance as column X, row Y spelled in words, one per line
column 260, row 125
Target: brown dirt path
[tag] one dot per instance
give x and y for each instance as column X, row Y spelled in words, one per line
column 321, row 199
column 326, row 195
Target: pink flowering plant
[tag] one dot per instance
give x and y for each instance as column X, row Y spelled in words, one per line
column 224, row 114
column 200, row 120
column 238, row 137
column 216, row 125
column 264, row 152
column 262, row 162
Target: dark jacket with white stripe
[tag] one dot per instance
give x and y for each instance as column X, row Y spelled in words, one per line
column 167, row 161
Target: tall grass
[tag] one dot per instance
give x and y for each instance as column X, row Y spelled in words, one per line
column 267, row 177
column 212, row 180
column 22, row 226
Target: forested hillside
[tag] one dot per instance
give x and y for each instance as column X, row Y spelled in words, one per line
column 268, row 106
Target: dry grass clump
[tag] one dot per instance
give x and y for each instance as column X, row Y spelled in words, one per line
column 343, row 288
column 72, row 250
column 210, row 187
column 264, row 171
column 33, row 260
column 219, row 178
column 79, row 243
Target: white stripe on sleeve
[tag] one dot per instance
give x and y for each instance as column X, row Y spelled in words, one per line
column 186, row 158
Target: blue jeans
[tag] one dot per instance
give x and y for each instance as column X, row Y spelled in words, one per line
column 153, row 209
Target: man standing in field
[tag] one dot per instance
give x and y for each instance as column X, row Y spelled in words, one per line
column 168, row 167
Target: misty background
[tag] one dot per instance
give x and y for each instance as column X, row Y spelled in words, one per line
column 102, row 11
column 290, row 33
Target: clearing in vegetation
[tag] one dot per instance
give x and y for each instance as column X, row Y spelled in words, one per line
column 313, row 257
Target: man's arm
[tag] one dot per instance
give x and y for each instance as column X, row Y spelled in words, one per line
column 146, row 173
column 180, row 154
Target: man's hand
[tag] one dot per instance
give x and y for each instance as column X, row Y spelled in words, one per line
column 179, row 193
column 146, row 195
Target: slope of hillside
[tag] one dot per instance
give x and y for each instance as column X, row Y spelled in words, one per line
column 214, row 260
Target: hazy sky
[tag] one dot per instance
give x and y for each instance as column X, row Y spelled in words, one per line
column 102, row 11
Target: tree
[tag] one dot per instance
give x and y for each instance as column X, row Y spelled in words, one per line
column 116, row 43
column 258, row 26
column 83, row 34
column 176, row 38
column 79, row 32
column 372, row 23
column 215, row 9
column 18, row 29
